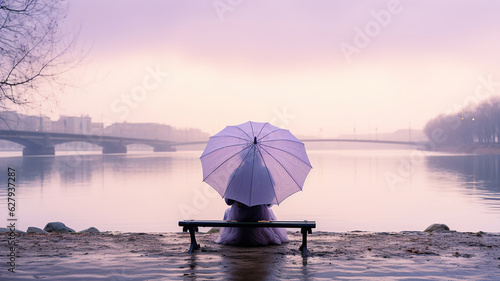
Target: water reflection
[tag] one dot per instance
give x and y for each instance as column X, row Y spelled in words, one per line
column 251, row 264
column 242, row 263
column 192, row 262
column 346, row 190
column 126, row 191
column 76, row 169
column 38, row 169
column 471, row 167
column 478, row 174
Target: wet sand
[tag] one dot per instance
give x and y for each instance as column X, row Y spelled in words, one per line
column 342, row 256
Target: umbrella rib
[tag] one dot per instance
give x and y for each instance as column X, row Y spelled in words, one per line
column 294, row 141
column 251, row 177
column 227, row 146
column 251, row 127
column 225, row 162
column 269, row 175
column 278, row 129
column 235, row 171
column 308, row 164
column 261, row 130
column 283, row 169
column 242, row 130
column 229, row 136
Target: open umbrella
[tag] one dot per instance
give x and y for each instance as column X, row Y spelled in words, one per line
column 255, row 163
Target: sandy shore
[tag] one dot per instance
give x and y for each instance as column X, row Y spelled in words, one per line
column 163, row 256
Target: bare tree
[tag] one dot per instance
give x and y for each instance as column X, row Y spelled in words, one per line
column 31, row 49
column 479, row 123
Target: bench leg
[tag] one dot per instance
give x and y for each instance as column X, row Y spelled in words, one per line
column 194, row 245
column 303, row 247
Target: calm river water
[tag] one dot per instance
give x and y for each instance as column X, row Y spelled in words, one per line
column 372, row 190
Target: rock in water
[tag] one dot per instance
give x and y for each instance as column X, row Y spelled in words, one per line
column 90, row 230
column 437, row 227
column 33, row 229
column 58, row 227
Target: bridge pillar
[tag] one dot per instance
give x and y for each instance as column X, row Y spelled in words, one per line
column 164, row 148
column 38, row 150
column 114, row 149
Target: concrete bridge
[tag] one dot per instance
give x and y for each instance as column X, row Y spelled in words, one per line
column 42, row 143
column 421, row 144
column 411, row 143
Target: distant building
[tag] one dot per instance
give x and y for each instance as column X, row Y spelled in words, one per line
column 72, row 125
column 11, row 120
column 97, row 128
column 154, row 131
column 139, row 130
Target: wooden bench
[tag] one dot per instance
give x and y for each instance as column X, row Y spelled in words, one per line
column 192, row 227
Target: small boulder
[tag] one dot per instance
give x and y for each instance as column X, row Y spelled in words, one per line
column 437, row 227
column 7, row 230
column 33, row 229
column 58, row 227
column 90, row 230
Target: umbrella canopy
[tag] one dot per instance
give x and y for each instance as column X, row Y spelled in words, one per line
column 255, row 163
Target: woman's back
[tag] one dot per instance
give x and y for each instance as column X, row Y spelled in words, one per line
column 260, row 236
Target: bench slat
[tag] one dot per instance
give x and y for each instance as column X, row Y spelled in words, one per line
column 223, row 223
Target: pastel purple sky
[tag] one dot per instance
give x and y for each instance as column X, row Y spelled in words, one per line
column 281, row 61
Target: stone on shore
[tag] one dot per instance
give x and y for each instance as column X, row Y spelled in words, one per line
column 33, row 229
column 7, row 230
column 58, row 227
column 437, row 227
column 90, row 230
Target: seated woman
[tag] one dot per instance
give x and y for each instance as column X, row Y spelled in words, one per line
column 259, row 236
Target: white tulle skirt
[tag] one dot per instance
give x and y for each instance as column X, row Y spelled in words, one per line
column 260, row 236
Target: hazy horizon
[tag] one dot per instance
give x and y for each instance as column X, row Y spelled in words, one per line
column 321, row 68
